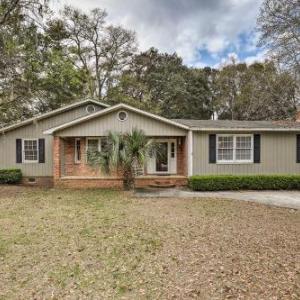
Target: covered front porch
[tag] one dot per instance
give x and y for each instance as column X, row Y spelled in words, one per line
column 73, row 169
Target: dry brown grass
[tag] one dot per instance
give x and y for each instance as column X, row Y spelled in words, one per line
column 57, row 244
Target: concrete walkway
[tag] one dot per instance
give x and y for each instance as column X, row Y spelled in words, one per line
column 289, row 199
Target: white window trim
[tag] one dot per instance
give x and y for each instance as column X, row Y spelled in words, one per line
column 86, row 144
column 23, row 151
column 75, row 152
column 234, row 161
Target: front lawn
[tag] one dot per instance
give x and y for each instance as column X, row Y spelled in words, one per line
column 95, row 244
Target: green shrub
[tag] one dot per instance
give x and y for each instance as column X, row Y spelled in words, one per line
column 10, row 176
column 244, row 182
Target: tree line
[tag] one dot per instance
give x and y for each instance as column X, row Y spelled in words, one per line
column 47, row 61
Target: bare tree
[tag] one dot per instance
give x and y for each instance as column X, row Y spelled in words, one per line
column 279, row 24
column 103, row 51
column 22, row 9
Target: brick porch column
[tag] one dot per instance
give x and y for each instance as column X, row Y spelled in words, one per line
column 57, row 147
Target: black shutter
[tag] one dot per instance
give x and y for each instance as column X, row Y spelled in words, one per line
column 256, row 153
column 18, row 151
column 42, row 151
column 212, row 148
column 298, row 148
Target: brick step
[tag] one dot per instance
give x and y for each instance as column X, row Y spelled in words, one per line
column 162, row 184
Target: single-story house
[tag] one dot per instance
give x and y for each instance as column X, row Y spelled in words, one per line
column 51, row 148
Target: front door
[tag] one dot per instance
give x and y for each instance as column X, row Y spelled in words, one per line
column 164, row 159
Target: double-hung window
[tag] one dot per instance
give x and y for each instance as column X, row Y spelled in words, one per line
column 234, row 148
column 30, row 150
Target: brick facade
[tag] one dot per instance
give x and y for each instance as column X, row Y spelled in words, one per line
column 70, row 174
column 182, row 156
column 81, row 168
column 145, row 181
column 39, row 181
column 57, row 157
column 86, row 183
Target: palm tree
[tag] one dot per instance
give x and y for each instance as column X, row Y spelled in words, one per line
column 124, row 153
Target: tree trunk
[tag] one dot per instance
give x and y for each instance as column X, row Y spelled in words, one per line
column 128, row 179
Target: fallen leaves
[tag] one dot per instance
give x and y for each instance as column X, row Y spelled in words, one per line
column 101, row 244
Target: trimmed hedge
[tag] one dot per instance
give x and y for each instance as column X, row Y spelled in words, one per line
column 10, row 176
column 244, row 182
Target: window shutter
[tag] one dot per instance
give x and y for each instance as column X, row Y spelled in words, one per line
column 41, row 151
column 298, row 148
column 212, row 148
column 18, row 151
column 256, row 154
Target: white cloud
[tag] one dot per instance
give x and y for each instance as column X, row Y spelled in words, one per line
column 259, row 57
column 184, row 26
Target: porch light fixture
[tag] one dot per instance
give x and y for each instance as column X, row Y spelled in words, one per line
column 122, row 116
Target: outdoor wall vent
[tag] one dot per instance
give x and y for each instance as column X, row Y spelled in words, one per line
column 90, row 109
column 122, row 116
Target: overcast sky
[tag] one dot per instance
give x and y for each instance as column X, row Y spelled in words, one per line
column 203, row 32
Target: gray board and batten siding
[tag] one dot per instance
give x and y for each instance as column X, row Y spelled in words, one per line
column 100, row 126
column 278, row 155
column 35, row 130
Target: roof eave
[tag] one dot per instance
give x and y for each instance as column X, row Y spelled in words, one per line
column 51, row 113
column 245, row 129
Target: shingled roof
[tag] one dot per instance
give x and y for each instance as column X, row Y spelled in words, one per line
column 244, row 125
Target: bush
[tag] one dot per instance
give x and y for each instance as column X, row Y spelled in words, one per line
column 10, row 176
column 244, row 182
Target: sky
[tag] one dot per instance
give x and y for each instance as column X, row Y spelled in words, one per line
column 202, row 32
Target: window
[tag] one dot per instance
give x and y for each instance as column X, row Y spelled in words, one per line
column 90, row 109
column 172, row 150
column 93, row 146
column 122, row 116
column 77, row 151
column 30, row 150
column 243, row 148
column 225, row 148
column 234, row 148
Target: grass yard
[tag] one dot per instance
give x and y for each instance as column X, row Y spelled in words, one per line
column 57, row 244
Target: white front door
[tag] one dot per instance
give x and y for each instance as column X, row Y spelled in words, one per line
column 164, row 160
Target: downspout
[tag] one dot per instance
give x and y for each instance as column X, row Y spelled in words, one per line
column 190, row 153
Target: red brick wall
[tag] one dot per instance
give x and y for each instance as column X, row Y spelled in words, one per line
column 117, row 183
column 83, row 169
column 154, row 180
column 109, row 183
column 181, row 156
column 298, row 115
column 66, row 148
column 77, row 169
column 43, row 181
column 57, row 147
